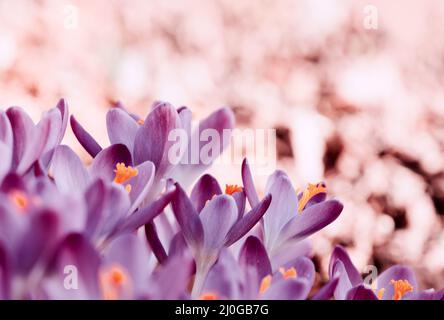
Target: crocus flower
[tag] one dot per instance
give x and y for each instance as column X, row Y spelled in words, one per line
column 251, row 276
column 150, row 139
column 290, row 218
column 218, row 224
column 396, row 283
column 24, row 144
column 113, row 190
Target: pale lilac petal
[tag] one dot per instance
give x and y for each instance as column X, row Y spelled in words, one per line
column 122, row 128
column 240, row 199
column 249, row 187
column 62, row 106
column 105, row 162
column 141, row 184
column 204, row 190
column 290, row 289
column 68, row 171
column 217, row 217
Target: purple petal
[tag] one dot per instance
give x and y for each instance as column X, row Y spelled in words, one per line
column 240, row 199
column 327, row 291
column 244, row 225
column 152, row 143
column 153, row 240
column 290, row 289
column 62, row 106
column 185, row 118
column 95, row 197
column 141, row 184
column 187, row 218
column 5, row 273
column 249, row 188
column 129, row 252
column 204, row 190
column 122, row 128
column 75, row 251
column 217, row 218
column 85, row 139
column 344, row 285
column 253, row 254
column 339, row 254
column 171, row 280
column 304, row 268
column 146, row 214
column 396, row 272
column 361, row 293
column 311, row 220
column 283, row 206
column 178, row 245
column 104, row 163
column 5, row 163
column 68, row 171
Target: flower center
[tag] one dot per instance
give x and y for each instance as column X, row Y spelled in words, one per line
column 265, row 284
column 113, row 281
column 401, row 287
column 124, row 173
column 141, row 121
column 380, row 293
column 208, row 296
column 232, row 188
column 289, row 273
column 19, row 199
column 309, row 193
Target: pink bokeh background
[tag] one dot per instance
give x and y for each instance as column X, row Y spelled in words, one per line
column 362, row 109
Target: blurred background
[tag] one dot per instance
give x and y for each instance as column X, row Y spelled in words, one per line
column 353, row 88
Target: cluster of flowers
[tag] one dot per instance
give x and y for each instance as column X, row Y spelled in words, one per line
column 70, row 231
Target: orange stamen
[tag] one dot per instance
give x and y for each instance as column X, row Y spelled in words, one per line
column 141, row 121
column 124, row 173
column 208, row 296
column 19, row 199
column 310, row 192
column 265, row 284
column 401, row 287
column 289, row 273
column 381, row 293
column 113, row 281
column 232, row 188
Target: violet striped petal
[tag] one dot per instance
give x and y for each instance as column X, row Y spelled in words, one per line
column 240, row 199
column 104, row 163
column 68, row 171
column 361, row 293
column 146, row 214
column 253, row 254
column 340, row 254
column 85, row 139
column 248, row 221
column 217, row 218
column 311, row 220
column 188, row 218
column 247, row 180
column 153, row 240
column 204, row 190
column 122, row 128
column 152, row 139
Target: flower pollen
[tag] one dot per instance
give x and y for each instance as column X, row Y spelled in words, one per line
column 309, row 192
column 265, row 284
column 289, row 273
column 208, row 296
column 232, row 188
column 113, row 281
column 19, row 199
column 400, row 287
column 124, row 173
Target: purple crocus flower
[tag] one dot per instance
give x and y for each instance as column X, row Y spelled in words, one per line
column 152, row 140
column 211, row 223
column 290, row 218
column 113, row 190
column 251, row 277
column 24, row 144
column 396, row 283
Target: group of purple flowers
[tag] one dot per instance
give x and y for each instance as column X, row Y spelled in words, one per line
column 126, row 227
